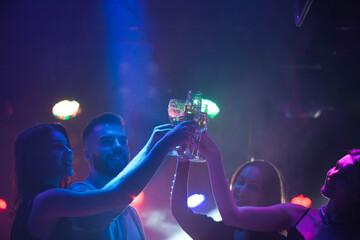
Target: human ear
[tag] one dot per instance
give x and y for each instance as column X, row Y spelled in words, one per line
column 87, row 154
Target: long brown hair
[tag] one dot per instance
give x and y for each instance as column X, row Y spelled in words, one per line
column 272, row 185
column 30, row 148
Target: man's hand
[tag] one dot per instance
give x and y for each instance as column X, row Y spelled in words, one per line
column 174, row 135
column 158, row 133
column 181, row 134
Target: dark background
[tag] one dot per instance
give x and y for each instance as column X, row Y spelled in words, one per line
column 269, row 78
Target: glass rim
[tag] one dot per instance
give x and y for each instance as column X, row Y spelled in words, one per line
column 176, row 99
column 195, row 91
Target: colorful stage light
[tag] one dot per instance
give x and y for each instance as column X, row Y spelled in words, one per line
column 138, row 200
column 66, row 109
column 3, row 204
column 301, row 200
column 195, row 200
column 213, row 109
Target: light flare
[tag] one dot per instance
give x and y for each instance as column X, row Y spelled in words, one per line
column 3, row 204
column 66, row 109
column 213, row 109
column 301, row 200
column 195, row 200
column 138, row 199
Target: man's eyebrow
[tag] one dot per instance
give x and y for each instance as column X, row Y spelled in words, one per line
column 113, row 136
column 61, row 141
column 122, row 136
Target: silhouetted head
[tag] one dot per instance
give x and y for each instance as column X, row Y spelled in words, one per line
column 342, row 183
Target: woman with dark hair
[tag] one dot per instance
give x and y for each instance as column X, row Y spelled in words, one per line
column 255, row 183
column 338, row 219
column 43, row 161
column 272, row 187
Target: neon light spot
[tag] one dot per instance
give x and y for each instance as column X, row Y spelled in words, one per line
column 3, row 204
column 213, row 109
column 66, row 109
column 138, row 200
column 195, row 200
column 301, row 200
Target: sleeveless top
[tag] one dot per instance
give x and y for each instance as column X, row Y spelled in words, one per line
column 294, row 234
column 19, row 229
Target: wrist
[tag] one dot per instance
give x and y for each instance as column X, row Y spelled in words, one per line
column 165, row 142
column 183, row 159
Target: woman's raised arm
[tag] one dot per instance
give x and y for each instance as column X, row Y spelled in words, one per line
column 272, row 218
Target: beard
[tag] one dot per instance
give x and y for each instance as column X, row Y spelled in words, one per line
column 108, row 166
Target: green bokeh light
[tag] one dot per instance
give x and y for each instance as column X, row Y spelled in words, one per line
column 66, row 109
column 213, row 109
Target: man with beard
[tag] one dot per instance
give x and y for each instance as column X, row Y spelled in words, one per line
column 107, row 151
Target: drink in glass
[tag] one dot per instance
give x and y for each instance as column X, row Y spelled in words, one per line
column 176, row 112
column 203, row 122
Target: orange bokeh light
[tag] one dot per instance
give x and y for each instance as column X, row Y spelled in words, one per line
column 301, row 200
column 138, row 200
column 3, row 204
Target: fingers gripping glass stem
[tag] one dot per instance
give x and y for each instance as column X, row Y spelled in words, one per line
column 191, row 109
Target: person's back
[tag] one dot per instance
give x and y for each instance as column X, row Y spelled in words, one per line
column 19, row 229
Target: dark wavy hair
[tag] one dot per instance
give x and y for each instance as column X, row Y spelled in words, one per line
column 30, row 149
column 272, row 185
column 105, row 118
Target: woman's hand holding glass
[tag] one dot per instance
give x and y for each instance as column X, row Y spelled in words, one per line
column 181, row 134
column 195, row 155
column 191, row 109
column 208, row 148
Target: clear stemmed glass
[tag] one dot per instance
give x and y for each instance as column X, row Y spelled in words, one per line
column 176, row 112
column 203, row 123
column 193, row 105
column 192, row 112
